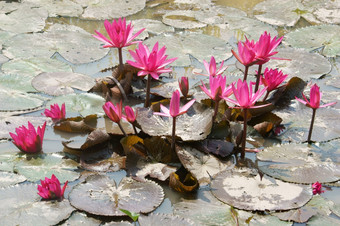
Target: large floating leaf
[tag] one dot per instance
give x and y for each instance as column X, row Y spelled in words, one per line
column 13, row 100
column 182, row 19
column 84, row 103
column 4, row 35
column 199, row 46
column 163, row 219
column 7, row 179
column 309, row 38
column 201, row 165
column 41, row 166
column 189, row 126
column 218, row 14
column 328, row 12
column 159, row 171
column 73, row 43
column 16, row 82
column 155, row 27
column 300, row 163
column 244, row 190
column 61, row 83
column 65, row 8
column 101, row 196
column 21, row 205
column 34, row 66
column 78, row 217
column 283, row 13
column 99, row 10
column 26, row 18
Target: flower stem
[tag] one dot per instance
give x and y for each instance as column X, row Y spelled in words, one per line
column 243, row 153
column 147, row 99
column 216, row 110
column 311, row 126
column 258, row 78
column 121, row 128
column 266, row 96
column 173, row 139
column 120, row 56
column 245, row 73
column 134, row 129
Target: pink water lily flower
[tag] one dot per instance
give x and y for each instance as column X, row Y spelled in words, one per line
column 129, row 114
column 218, row 88
column 245, row 98
column 120, row 35
column 175, row 109
column 272, row 78
column 315, row 96
column 56, row 113
column 246, row 54
column 317, row 188
column 211, row 67
column 51, row 189
column 183, row 83
column 29, row 140
column 113, row 112
column 151, row 63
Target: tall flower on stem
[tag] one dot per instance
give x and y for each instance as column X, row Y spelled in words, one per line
column 114, row 113
column 151, row 64
column 130, row 117
column 56, row 113
column 272, row 79
column 29, row 140
column 211, row 67
column 314, row 103
column 217, row 90
column 174, row 111
column 245, row 56
column 51, row 189
column 245, row 99
column 120, row 36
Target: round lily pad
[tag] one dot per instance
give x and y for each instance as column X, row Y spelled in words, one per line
column 283, row 13
column 182, row 19
column 61, row 83
column 13, row 100
column 300, row 163
column 65, row 8
column 329, row 12
column 200, row 46
column 244, row 190
column 7, row 179
column 3, row 59
column 309, row 38
column 83, row 103
column 16, row 82
column 100, row 195
column 99, row 10
column 191, row 126
column 78, row 217
column 154, row 27
column 41, row 166
column 21, row 205
column 164, row 219
column 218, row 14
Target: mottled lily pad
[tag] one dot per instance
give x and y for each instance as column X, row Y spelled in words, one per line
column 309, row 38
column 83, row 103
column 329, row 12
column 7, row 179
column 100, row 195
column 154, row 27
column 300, row 163
column 218, row 14
column 16, row 82
column 244, row 190
column 283, row 13
column 99, row 10
column 13, row 100
column 201, row 165
column 65, row 8
column 182, row 19
column 190, row 126
column 61, row 83
column 164, row 219
column 159, row 171
column 21, row 205
column 199, row 46
column 78, row 217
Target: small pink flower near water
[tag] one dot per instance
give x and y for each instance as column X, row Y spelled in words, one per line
column 151, row 63
column 183, row 83
column 272, row 79
column 175, row 109
column 315, row 97
column 120, row 34
column 211, row 67
column 29, row 140
column 246, row 54
column 218, row 88
column 317, row 188
column 51, row 189
column 113, row 112
column 56, row 113
column 129, row 114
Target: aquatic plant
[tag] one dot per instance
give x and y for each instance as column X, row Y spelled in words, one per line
column 114, row 113
column 50, row 188
column 56, row 113
column 271, row 79
column 211, row 67
column 317, row 188
column 29, row 140
column 183, row 83
column 245, row 56
column 130, row 117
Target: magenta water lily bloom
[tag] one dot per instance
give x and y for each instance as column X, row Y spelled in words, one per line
column 114, row 113
column 56, row 113
column 129, row 114
column 151, row 63
column 183, row 83
column 211, row 67
column 245, row 56
column 271, row 79
column 29, row 140
column 51, row 189
column 265, row 47
column 317, row 188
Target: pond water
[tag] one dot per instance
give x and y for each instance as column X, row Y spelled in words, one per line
column 46, row 43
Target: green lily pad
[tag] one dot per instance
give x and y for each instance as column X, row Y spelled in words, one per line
column 5, row 35
column 99, row 10
column 78, row 217
column 329, row 12
column 65, row 8
column 26, row 18
column 244, row 190
column 83, row 103
column 154, row 27
column 191, row 126
column 184, row 19
column 3, row 59
column 101, row 195
column 323, row 220
column 21, row 205
column 300, row 163
column 218, row 14
column 16, row 82
column 14, row 100
column 309, row 38
column 283, row 13
column 41, row 166
column 62, row 83
column 34, row 66
column 7, row 179
column 73, row 43
column 164, row 219
column 200, row 46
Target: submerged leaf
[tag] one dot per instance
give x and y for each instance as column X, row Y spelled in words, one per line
column 183, row 181
column 112, row 164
